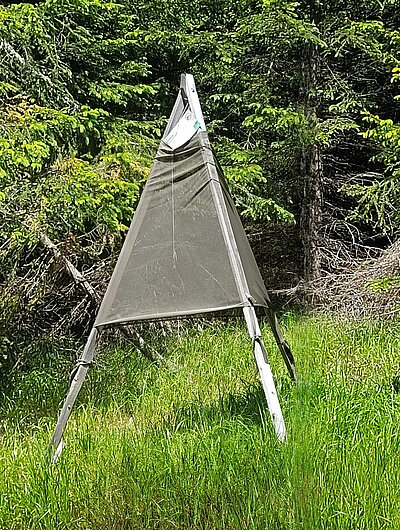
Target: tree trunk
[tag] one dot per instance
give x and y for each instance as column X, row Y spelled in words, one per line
column 311, row 216
column 311, row 161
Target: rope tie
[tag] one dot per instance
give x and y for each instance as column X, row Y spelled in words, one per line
column 78, row 364
column 258, row 339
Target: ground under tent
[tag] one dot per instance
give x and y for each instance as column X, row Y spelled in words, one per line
column 186, row 253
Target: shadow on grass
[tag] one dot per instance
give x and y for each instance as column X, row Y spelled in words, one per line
column 248, row 408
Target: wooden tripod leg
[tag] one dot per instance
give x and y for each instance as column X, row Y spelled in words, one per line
column 77, row 379
column 264, row 369
column 282, row 344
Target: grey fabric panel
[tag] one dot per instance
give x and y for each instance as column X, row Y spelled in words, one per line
column 179, row 257
column 175, row 261
column 251, row 280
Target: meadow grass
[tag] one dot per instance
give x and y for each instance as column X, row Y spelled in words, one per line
column 192, row 447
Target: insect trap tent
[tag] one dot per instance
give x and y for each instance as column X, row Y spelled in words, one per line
column 186, row 253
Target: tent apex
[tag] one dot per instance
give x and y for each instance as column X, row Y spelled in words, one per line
column 189, row 87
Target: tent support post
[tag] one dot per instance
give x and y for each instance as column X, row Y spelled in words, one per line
column 282, row 344
column 264, row 369
column 77, row 378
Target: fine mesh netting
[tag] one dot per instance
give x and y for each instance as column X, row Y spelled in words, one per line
column 186, row 251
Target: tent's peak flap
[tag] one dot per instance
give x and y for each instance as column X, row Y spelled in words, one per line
column 183, row 131
column 189, row 87
column 186, row 117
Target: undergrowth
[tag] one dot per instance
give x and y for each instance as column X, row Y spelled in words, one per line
column 192, row 446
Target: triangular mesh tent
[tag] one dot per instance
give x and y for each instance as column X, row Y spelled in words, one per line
column 186, row 252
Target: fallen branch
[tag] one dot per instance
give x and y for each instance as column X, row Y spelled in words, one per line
column 80, row 280
column 75, row 274
column 286, row 292
column 147, row 350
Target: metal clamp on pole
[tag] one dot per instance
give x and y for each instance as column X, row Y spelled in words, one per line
column 259, row 341
column 282, row 344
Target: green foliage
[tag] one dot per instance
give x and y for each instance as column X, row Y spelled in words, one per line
column 60, row 50
column 386, row 134
column 85, row 86
column 371, row 38
column 330, row 130
column 379, row 199
column 284, row 122
column 74, row 175
column 38, row 158
column 384, row 284
column 248, row 184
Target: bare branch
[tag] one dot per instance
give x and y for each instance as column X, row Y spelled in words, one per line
column 65, row 95
column 70, row 268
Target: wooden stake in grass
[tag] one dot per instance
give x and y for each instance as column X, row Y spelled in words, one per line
column 78, row 377
column 265, row 372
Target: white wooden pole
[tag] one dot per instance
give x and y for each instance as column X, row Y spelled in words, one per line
column 56, row 444
column 265, row 372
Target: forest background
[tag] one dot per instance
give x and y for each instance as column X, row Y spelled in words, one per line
column 302, row 105
column 301, row 100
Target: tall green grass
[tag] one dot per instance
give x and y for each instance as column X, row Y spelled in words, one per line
column 193, row 448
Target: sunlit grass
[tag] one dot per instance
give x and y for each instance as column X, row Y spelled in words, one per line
column 193, row 447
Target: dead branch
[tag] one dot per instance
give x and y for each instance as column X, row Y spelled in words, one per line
column 10, row 50
column 347, row 287
column 80, row 280
column 145, row 348
column 70, row 268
